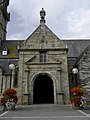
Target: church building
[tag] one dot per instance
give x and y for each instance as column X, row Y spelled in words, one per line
column 40, row 67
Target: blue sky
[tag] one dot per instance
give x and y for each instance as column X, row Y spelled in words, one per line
column 66, row 18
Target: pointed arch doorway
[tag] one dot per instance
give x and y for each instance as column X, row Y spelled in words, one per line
column 43, row 91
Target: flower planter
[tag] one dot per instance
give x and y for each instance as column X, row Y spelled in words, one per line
column 9, row 99
column 77, row 99
column 9, row 105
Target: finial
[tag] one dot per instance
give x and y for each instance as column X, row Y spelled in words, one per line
column 42, row 14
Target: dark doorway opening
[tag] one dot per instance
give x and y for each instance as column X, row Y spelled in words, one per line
column 43, row 90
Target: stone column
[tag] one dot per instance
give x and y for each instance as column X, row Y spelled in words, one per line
column 60, row 93
column 26, row 90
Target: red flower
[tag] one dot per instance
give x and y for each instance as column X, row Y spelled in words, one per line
column 9, row 94
column 3, row 101
column 77, row 92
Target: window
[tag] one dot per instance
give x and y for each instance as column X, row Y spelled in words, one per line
column 42, row 56
column 4, row 51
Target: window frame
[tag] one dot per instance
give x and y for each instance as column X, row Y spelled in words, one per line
column 42, row 56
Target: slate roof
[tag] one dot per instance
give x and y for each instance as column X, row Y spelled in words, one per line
column 5, row 65
column 11, row 46
column 11, row 57
column 76, row 46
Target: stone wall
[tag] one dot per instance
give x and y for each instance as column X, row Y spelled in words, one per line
column 55, row 67
column 84, row 71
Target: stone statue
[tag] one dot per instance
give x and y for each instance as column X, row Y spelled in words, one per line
column 42, row 14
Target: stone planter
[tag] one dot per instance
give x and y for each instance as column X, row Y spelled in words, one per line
column 9, row 105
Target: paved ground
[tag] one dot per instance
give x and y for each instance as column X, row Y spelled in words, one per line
column 1, row 108
column 87, row 109
column 46, row 112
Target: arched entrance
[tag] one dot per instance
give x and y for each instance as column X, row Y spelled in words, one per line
column 43, row 90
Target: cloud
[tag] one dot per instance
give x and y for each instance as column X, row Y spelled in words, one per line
column 79, row 22
column 66, row 18
column 29, row 13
